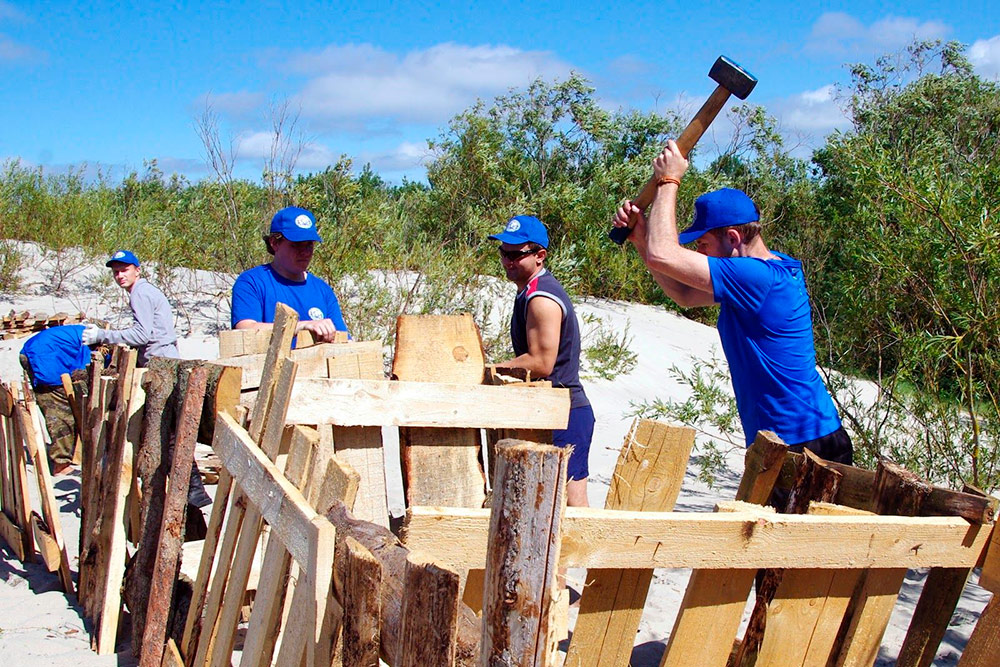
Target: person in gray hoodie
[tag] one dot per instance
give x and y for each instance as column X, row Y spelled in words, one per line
column 152, row 332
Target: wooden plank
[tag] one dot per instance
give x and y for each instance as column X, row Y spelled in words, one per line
column 67, row 385
column 315, row 361
column 896, row 491
column 22, row 500
column 6, row 472
column 50, row 509
column 361, row 362
column 207, row 587
column 362, row 580
column 244, row 520
column 803, row 619
column 446, row 348
column 15, row 538
column 983, row 649
column 942, row 590
column 815, row 481
column 647, row 477
column 306, row 535
column 440, row 466
column 430, row 615
column 248, row 541
column 387, row 403
column 708, row 617
column 47, row 546
column 171, row 540
column 171, row 655
column 989, row 577
column 133, row 434
column 529, row 500
column 265, row 618
column 457, row 538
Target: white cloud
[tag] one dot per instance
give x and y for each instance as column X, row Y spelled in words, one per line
column 837, row 33
column 406, row 157
column 984, row 54
column 256, row 147
column 346, row 84
column 813, row 111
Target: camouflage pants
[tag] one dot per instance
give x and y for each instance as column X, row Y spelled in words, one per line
column 59, row 421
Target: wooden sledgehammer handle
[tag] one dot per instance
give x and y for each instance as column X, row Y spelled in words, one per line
column 689, row 137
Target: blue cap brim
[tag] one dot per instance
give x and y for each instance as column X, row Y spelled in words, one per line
column 690, row 234
column 297, row 235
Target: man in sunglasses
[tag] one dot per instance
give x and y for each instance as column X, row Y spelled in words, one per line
column 765, row 321
column 546, row 339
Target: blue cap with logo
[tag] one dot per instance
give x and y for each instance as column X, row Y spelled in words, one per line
column 295, row 224
column 721, row 208
column 523, row 229
column 123, row 256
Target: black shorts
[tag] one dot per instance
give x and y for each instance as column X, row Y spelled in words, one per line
column 836, row 447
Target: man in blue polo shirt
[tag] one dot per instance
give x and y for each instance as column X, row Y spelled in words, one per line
column 46, row 356
column 765, row 320
column 286, row 280
column 546, row 339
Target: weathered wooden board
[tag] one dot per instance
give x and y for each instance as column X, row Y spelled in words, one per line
column 313, row 361
column 648, row 477
column 386, row 403
column 602, row 538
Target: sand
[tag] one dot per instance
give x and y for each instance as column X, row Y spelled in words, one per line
column 39, row 625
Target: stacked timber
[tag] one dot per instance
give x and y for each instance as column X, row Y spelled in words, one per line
column 26, row 323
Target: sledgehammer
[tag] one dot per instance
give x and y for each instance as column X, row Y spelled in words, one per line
column 732, row 80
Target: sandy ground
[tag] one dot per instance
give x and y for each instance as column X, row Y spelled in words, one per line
column 39, row 625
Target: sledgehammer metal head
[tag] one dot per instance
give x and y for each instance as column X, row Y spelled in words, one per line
column 732, row 77
column 732, row 80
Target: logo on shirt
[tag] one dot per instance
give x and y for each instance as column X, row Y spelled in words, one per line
column 315, row 314
column 303, row 222
column 513, row 225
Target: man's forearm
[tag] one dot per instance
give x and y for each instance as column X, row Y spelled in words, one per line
column 536, row 365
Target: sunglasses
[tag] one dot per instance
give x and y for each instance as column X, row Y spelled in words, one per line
column 514, row 255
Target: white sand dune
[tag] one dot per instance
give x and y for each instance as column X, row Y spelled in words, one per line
column 38, row 625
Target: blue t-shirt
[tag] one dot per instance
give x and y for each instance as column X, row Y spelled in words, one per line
column 765, row 324
column 54, row 351
column 566, row 371
column 257, row 291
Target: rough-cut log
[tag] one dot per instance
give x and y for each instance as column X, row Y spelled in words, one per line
column 361, row 574
column 165, row 384
column 529, row 502
column 857, row 491
column 171, row 533
column 384, row 546
column 430, row 614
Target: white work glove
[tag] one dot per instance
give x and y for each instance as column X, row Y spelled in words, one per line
column 92, row 334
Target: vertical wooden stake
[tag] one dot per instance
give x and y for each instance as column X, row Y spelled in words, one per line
column 529, row 502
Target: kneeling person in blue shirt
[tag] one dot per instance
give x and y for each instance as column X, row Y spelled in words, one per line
column 286, row 280
column 46, row 356
column 546, row 339
column 765, row 320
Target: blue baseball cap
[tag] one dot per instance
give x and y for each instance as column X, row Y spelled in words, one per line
column 523, row 229
column 123, row 256
column 721, row 208
column 295, row 224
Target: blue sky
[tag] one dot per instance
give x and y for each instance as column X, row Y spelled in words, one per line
column 114, row 84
